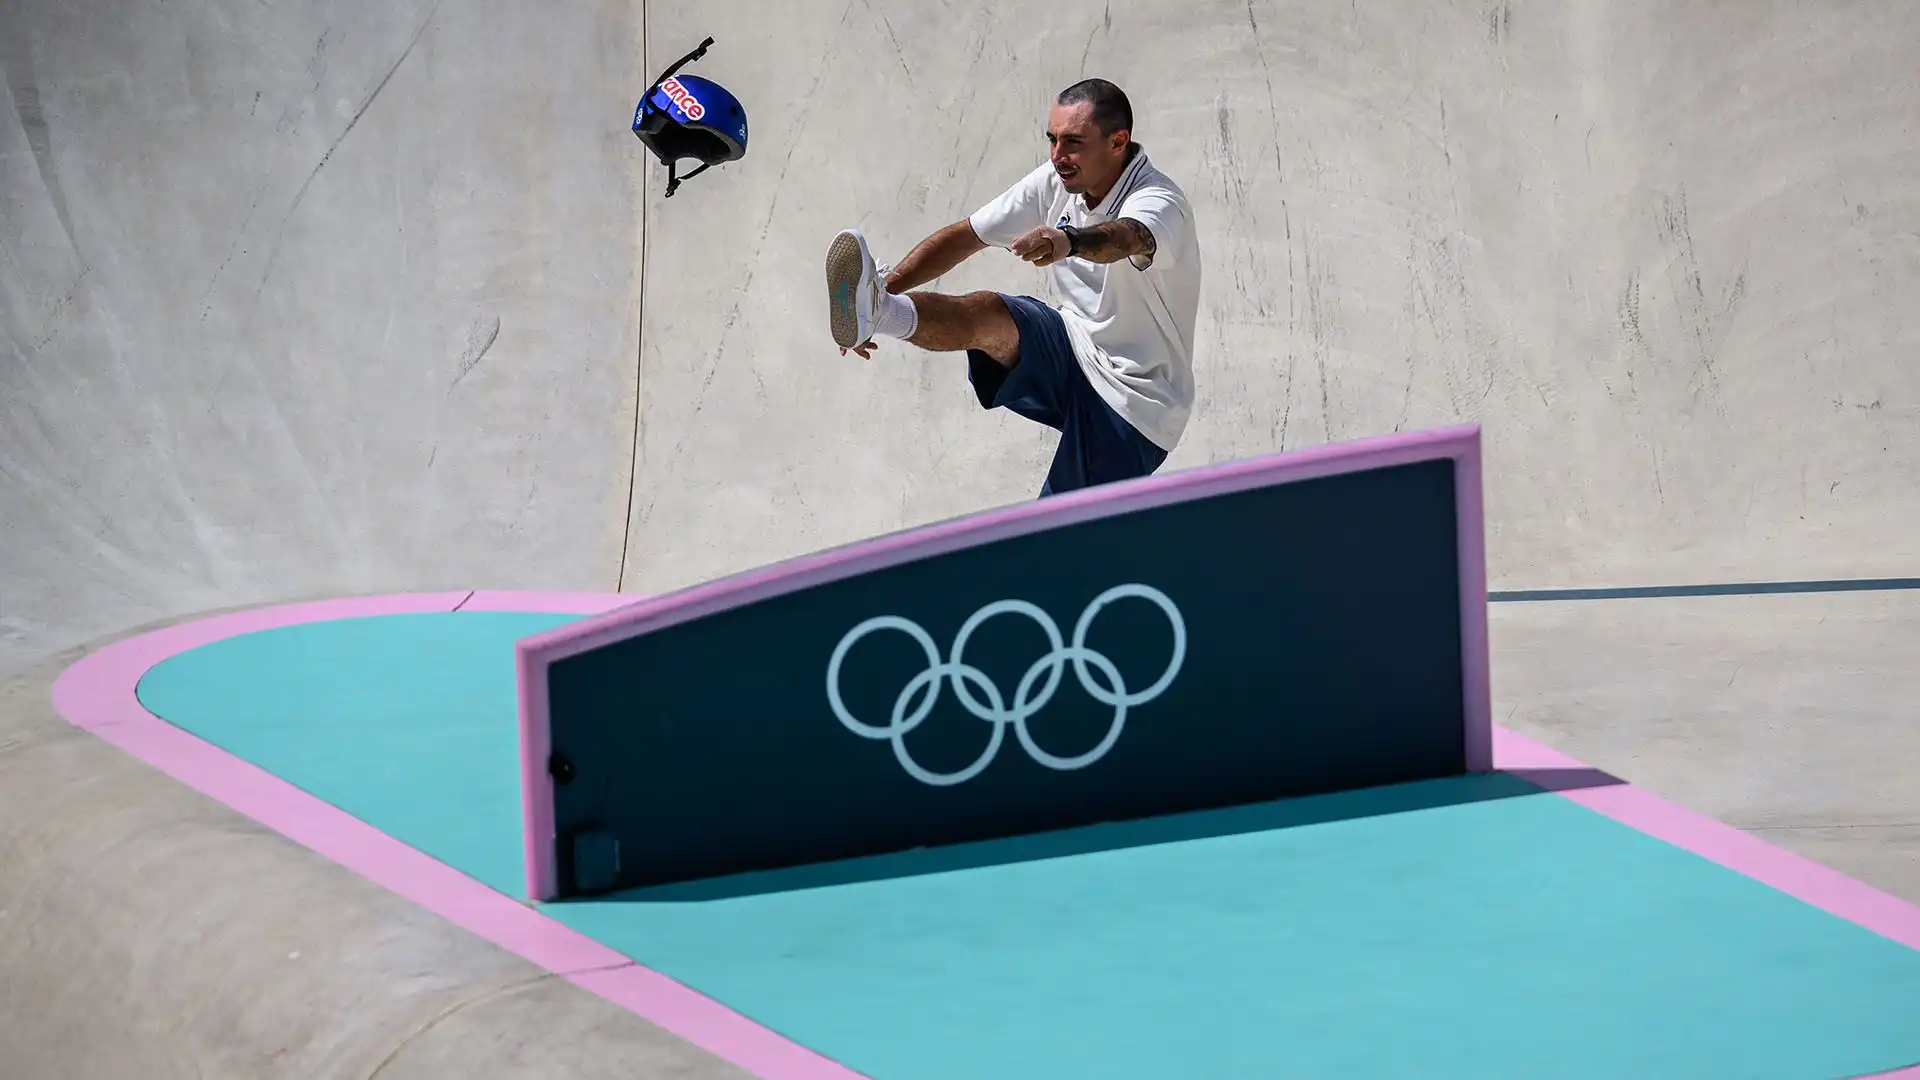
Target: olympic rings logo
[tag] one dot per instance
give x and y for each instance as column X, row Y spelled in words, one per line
column 1029, row 697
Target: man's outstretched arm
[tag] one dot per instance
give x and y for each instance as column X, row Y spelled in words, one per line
column 945, row 249
column 1107, row 242
column 1114, row 240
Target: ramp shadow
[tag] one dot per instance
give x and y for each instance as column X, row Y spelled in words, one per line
column 1110, row 836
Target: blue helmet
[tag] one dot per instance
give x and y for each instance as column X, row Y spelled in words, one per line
column 686, row 116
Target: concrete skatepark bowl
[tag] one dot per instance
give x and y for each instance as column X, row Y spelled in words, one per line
column 345, row 345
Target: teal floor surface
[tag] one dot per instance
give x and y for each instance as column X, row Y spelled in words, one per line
column 1463, row 928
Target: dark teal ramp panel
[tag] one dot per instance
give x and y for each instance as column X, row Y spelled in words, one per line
column 1298, row 624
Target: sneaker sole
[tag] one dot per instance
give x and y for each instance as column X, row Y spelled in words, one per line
column 843, row 278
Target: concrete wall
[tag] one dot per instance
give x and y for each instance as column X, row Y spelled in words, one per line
column 1658, row 249
column 348, row 297
column 310, row 299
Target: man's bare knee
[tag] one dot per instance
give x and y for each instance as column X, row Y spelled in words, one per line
column 996, row 334
column 976, row 320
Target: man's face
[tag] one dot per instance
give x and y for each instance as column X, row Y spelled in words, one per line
column 1086, row 161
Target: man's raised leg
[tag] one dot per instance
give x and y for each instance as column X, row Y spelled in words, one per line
column 977, row 320
column 860, row 308
column 1019, row 357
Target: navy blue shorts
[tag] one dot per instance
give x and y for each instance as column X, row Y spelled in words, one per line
column 1045, row 384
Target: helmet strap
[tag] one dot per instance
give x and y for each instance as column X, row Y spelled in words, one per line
column 671, row 71
column 673, row 181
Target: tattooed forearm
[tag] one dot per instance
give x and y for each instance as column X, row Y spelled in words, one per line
column 1116, row 240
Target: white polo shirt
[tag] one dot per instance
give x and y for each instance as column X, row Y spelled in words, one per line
column 1131, row 323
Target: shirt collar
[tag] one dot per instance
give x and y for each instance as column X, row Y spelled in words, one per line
column 1122, row 187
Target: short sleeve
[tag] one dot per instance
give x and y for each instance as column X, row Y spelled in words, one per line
column 1019, row 209
column 1165, row 213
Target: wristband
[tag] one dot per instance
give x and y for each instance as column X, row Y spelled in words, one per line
column 1073, row 240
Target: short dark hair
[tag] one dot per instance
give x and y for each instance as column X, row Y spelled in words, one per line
column 1111, row 110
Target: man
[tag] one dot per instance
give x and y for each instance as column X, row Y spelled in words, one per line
column 1111, row 368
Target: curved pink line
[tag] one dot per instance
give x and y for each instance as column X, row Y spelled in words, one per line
column 97, row 693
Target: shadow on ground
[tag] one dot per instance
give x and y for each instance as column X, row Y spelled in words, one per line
column 1116, row 835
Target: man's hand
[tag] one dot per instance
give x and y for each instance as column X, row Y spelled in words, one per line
column 1041, row 247
column 1109, row 241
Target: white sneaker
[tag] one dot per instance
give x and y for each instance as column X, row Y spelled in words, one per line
column 853, row 289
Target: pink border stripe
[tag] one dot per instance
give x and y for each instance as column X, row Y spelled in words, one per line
column 1799, row 877
column 542, row 603
column 1475, row 659
column 98, row 693
column 1460, row 443
column 105, row 697
column 536, row 787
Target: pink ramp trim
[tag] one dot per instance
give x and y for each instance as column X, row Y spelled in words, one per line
column 546, row 603
column 98, row 694
column 1475, row 659
column 1460, row 443
column 1799, row 877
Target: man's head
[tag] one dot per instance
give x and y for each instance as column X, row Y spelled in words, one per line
column 1091, row 129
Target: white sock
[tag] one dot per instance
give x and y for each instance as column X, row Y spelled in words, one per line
column 897, row 316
